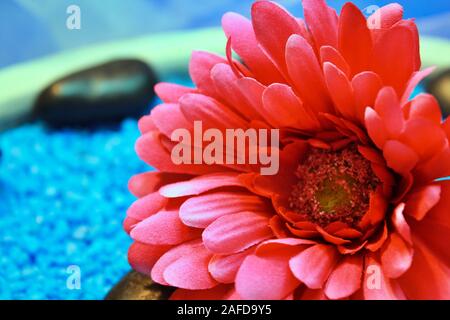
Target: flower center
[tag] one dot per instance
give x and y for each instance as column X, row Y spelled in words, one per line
column 333, row 186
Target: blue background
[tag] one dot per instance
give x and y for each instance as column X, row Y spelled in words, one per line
column 30, row 28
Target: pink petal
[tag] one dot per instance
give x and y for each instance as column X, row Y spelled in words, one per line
column 366, row 86
column 304, row 234
column 160, row 114
column 400, row 224
column 306, row 74
column 283, row 108
column 313, row 265
column 212, row 113
column 234, row 295
column 377, row 240
column 422, row 201
column 330, row 54
column 425, row 106
column 437, row 220
column 348, row 233
column 143, row 184
column 304, row 31
column 237, row 67
column 150, row 149
column 171, row 92
column 446, row 127
column 129, row 223
column 396, row 256
column 164, row 228
column 436, row 167
column 387, row 106
column 142, row 257
column 340, row 90
column 377, row 286
column 240, row 30
column 322, row 21
column 200, row 69
column 185, row 249
column 219, row 292
column 410, row 24
column 278, row 244
column 331, row 238
column 439, row 213
column 355, row 40
column 352, row 248
column 225, row 81
column 375, row 127
column 386, row 16
column 273, row 26
column 266, row 277
column 252, row 90
column 146, row 206
column 190, row 271
column 428, row 278
column 371, row 154
column 310, row 294
column 399, row 156
column 236, row 232
column 386, row 177
column 145, row 125
column 278, row 227
column 201, row 211
column 394, row 59
column 415, row 79
column 224, row 268
column 200, row 184
column 437, row 241
column 346, row 278
column 425, row 137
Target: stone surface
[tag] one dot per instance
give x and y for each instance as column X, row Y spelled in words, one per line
column 135, row 286
column 106, row 93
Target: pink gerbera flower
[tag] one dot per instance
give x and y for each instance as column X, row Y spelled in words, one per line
column 356, row 209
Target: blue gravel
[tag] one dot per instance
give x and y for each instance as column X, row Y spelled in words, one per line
column 63, row 197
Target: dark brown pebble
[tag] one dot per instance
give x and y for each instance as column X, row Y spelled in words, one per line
column 107, row 93
column 439, row 86
column 136, row 286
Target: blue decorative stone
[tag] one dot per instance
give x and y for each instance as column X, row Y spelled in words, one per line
column 63, row 199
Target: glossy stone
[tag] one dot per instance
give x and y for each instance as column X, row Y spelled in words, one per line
column 439, row 86
column 103, row 94
column 135, row 286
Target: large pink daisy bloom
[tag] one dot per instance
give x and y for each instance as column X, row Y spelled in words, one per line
column 356, row 209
